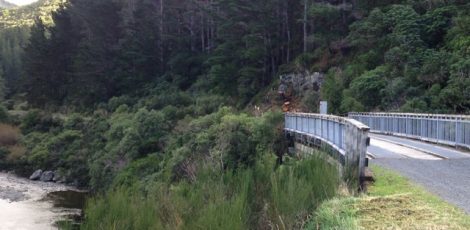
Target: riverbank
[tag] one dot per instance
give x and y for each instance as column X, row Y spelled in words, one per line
column 36, row 205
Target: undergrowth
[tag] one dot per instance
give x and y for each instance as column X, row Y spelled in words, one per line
column 264, row 196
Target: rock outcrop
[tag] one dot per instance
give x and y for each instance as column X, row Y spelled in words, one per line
column 47, row 176
column 301, row 82
column 59, row 178
column 36, row 175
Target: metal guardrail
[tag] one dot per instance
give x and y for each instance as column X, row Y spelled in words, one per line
column 347, row 137
column 453, row 130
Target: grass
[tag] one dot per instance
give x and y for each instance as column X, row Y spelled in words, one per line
column 392, row 202
column 9, row 135
column 10, row 141
column 260, row 197
column 15, row 153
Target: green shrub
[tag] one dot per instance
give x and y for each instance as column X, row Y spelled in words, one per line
column 3, row 154
column 246, row 199
column 115, row 102
column 74, row 121
column 4, row 116
column 350, row 104
column 416, row 105
column 36, row 120
column 368, row 88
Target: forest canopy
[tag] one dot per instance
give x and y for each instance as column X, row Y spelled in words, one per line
column 407, row 55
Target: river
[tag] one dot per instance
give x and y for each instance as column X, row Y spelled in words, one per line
column 35, row 205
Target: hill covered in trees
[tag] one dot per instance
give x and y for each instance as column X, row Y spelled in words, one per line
column 378, row 56
column 25, row 15
column 14, row 33
column 150, row 102
column 5, row 4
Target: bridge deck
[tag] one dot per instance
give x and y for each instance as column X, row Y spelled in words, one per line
column 446, row 152
column 379, row 148
column 448, row 178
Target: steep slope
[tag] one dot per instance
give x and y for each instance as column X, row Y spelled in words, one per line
column 24, row 16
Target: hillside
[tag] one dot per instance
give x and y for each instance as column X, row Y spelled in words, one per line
column 14, row 34
column 156, row 98
column 24, row 16
column 6, row 5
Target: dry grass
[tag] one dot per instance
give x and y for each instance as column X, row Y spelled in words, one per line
column 9, row 135
column 9, row 138
column 403, row 212
column 395, row 203
column 392, row 202
column 16, row 152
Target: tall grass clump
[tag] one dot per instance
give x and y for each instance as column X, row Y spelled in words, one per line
column 122, row 208
column 263, row 196
column 299, row 188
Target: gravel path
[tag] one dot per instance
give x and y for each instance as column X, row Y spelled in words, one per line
column 449, row 179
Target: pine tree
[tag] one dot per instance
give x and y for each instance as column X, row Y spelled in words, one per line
column 36, row 66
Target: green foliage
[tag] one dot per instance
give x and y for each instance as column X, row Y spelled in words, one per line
column 12, row 41
column 25, row 16
column 35, row 120
column 368, row 87
column 337, row 213
column 349, row 103
column 233, row 200
column 130, row 136
column 151, row 92
column 405, row 50
column 62, row 150
column 331, row 91
column 139, row 171
column 3, row 153
column 4, row 116
column 292, row 193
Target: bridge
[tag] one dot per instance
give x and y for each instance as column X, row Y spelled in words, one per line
column 432, row 150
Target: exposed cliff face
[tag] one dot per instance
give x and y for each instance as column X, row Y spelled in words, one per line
column 300, row 91
column 302, row 82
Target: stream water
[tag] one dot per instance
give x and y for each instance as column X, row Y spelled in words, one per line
column 35, row 205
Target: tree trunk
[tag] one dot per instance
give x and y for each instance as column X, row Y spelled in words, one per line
column 288, row 33
column 203, row 29
column 161, row 35
column 305, row 25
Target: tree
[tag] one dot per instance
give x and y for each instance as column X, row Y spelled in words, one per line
column 368, row 87
column 36, row 65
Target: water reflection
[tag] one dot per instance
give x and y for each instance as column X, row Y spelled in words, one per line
column 26, row 204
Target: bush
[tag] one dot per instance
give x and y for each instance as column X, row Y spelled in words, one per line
column 4, row 116
column 368, row 88
column 36, row 120
column 115, row 102
column 235, row 143
column 3, row 154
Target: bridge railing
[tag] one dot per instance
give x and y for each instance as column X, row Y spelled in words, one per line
column 453, row 130
column 348, row 138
